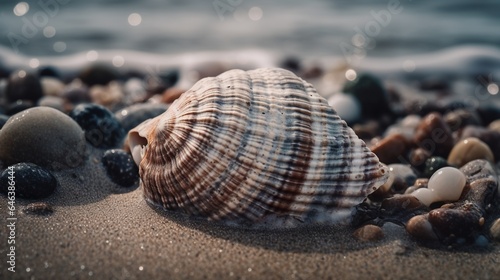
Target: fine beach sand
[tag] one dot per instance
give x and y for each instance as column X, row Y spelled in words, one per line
column 101, row 231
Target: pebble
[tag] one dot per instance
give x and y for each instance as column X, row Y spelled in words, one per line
column 369, row 233
column 405, row 127
column 494, row 126
column 391, row 149
column 460, row 118
column 432, row 164
column 469, row 149
column 419, row 183
column 51, row 86
column 102, row 129
column 434, row 135
column 495, row 230
column 3, row 120
column 134, row 91
column 44, row 136
column 23, row 85
column 371, row 94
column 420, row 228
column 418, row 157
column 160, row 81
column 446, row 184
column 108, row 95
column 346, row 106
column 18, row 106
column 76, row 93
column 53, row 102
column 39, row 208
column 31, row 181
column 120, row 167
column 132, row 116
column 489, row 137
column 98, row 74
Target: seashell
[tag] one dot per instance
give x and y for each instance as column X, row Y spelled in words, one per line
column 259, row 148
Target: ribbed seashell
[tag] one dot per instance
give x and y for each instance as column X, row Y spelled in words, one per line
column 257, row 148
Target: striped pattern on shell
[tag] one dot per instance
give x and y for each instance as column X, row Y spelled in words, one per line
column 254, row 147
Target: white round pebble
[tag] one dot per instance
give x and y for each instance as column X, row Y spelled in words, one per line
column 446, row 184
column 346, row 106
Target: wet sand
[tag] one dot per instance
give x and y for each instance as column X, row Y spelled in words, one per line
column 101, row 231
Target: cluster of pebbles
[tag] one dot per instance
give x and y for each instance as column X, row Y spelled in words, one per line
column 443, row 184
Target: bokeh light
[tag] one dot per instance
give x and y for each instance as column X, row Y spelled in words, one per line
column 59, row 46
column 118, row 61
column 493, row 89
column 21, row 9
column 255, row 13
column 351, row 75
column 34, row 63
column 49, row 31
column 92, row 55
column 134, row 19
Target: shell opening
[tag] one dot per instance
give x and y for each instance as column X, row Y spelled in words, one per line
column 138, row 146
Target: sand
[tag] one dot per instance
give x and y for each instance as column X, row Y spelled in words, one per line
column 101, row 231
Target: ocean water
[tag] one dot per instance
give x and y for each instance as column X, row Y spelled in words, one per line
column 384, row 35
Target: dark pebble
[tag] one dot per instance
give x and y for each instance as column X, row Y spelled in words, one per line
column 18, row 106
column 39, row 208
column 488, row 112
column 77, row 95
column 49, row 71
column 132, row 116
column 461, row 118
column 3, row 120
column 371, row 94
column 31, row 180
column 434, row 135
column 159, row 82
column 120, row 167
column 23, row 85
column 432, row 164
column 101, row 127
column 98, row 74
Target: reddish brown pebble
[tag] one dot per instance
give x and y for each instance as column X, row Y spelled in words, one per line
column 418, row 157
column 391, row 148
column 171, row 94
column 368, row 233
column 434, row 135
column 468, row 150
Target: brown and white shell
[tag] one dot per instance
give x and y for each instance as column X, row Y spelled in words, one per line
column 258, row 147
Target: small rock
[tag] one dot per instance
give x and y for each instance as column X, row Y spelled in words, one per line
column 52, row 86
column 120, row 167
column 434, row 135
column 460, row 118
column 391, row 149
column 39, row 208
column 108, row 95
column 494, row 126
column 495, row 230
column 30, row 181
column 44, row 136
column 418, row 157
column 368, row 233
column 98, row 74
column 53, row 102
column 404, row 176
column 432, row 164
column 101, row 127
column 23, row 85
column 469, row 149
column 371, row 94
column 19, row 106
column 489, row 137
column 420, row 228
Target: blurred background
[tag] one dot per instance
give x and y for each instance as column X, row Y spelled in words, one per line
column 383, row 35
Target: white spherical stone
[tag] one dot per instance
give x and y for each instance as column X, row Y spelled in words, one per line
column 447, row 183
column 346, row 106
